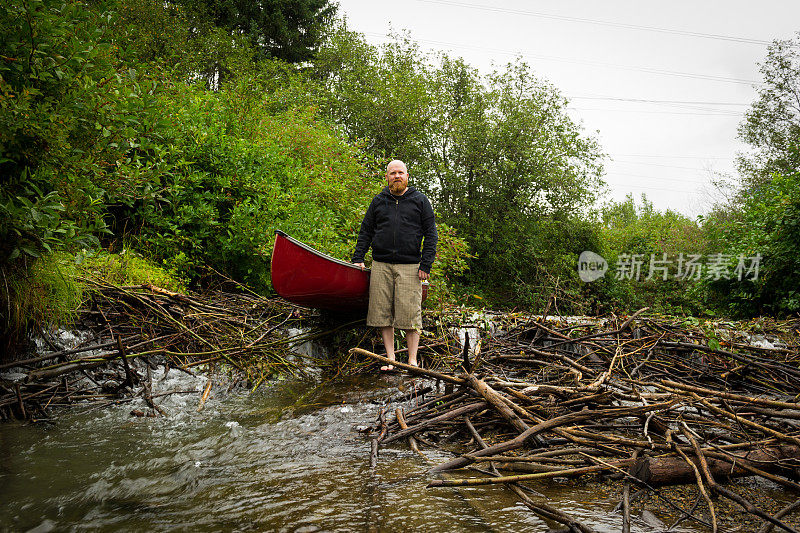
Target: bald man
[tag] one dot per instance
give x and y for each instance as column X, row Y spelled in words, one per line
column 398, row 223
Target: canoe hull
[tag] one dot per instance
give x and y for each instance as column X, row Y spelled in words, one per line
column 309, row 278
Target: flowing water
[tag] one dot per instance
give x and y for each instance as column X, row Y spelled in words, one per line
column 289, row 457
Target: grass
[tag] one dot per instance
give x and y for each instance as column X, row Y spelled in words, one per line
column 47, row 291
column 126, row 268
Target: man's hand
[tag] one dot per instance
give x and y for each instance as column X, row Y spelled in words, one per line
column 423, row 275
column 360, row 265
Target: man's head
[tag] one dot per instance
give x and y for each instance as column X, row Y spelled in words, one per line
column 397, row 177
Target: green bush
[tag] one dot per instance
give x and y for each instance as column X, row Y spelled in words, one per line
column 230, row 172
column 767, row 223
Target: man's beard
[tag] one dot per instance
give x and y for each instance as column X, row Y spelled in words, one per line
column 397, row 187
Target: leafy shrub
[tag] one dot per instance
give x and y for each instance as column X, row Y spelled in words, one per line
column 228, row 172
column 452, row 254
column 768, row 223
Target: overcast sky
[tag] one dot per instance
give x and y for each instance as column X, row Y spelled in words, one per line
column 664, row 84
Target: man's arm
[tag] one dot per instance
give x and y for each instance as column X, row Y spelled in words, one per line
column 365, row 235
column 431, row 238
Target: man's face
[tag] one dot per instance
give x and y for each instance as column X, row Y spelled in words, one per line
column 397, row 177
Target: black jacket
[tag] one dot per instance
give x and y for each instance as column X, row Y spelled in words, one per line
column 395, row 227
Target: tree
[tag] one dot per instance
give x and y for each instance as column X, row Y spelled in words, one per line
column 642, row 229
column 65, row 120
column 643, row 233
column 501, row 160
column 768, row 226
column 379, row 97
column 516, row 176
column 772, row 125
column 763, row 217
column 289, row 30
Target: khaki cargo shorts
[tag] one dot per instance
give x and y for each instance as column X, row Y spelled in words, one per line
column 395, row 296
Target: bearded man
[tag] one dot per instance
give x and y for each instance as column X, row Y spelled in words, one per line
column 398, row 222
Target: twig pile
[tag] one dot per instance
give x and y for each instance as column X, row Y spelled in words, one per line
column 647, row 401
column 133, row 329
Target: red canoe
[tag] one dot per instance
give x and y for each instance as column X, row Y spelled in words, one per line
column 307, row 277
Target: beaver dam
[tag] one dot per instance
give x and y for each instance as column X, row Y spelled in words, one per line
column 694, row 425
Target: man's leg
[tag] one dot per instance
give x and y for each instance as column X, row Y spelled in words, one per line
column 412, row 338
column 381, row 306
column 408, row 310
column 387, row 333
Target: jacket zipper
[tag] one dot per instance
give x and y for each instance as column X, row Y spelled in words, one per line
column 394, row 230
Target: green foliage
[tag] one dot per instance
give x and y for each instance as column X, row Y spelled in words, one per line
column 57, row 96
column 36, row 293
column 500, row 159
column 769, row 225
column 289, row 30
column 772, row 125
column 101, row 137
column 174, row 44
column 635, row 228
column 233, row 173
column 379, row 97
column 763, row 217
column 75, row 126
column 642, row 229
column 68, row 116
column 128, row 267
column 452, row 254
column 32, row 225
column 523, row 170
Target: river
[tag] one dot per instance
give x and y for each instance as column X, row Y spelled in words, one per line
column 289, row 457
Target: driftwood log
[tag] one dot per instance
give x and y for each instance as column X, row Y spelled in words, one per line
column 658, row 471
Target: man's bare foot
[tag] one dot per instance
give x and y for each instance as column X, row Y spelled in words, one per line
column 413, row 363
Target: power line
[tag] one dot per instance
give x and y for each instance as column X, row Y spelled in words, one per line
column 538, row 14
column 676, row 156
column 698, row 169
column 711, row 114
column 664, row 178
column 649, row 70
column 642, row 187
column 650, row 101
column 626, row 186
column 692, row 105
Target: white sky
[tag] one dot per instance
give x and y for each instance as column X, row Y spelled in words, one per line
column 602, row 62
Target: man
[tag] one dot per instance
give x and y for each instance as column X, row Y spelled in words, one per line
column 396, row 222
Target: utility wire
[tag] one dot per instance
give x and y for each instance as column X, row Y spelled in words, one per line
column 623, row 162
column 693, row 181
column 681, row 104
column 624, row 187
column 642, row 111
column 675, row 156
column 649, row 101
column 639, row 188
column 649, row 70
column 538, row 14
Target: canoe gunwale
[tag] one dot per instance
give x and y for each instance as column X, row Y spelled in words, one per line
column 309, row 278
column 317, row 252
